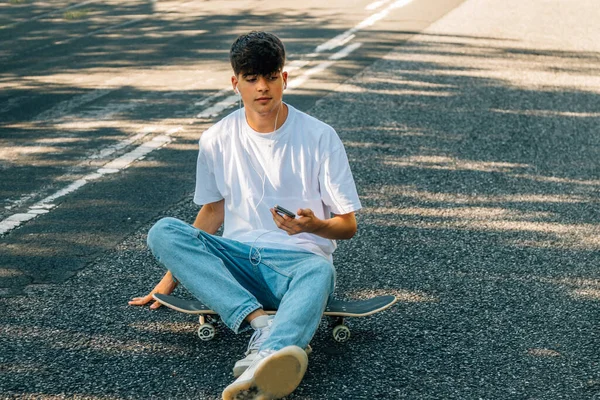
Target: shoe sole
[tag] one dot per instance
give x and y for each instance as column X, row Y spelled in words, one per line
column 274, row 379
column 239, row 368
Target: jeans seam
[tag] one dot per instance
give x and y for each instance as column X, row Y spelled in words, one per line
column 276, row 269
column 265, row 285
column 207, row 238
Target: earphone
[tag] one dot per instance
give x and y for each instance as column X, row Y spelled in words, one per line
column 254, row 255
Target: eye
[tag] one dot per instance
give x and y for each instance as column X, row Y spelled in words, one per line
column 251, row 78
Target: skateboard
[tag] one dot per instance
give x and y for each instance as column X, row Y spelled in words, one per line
column 337, row 310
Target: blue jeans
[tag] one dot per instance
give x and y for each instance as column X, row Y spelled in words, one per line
column 235, row 279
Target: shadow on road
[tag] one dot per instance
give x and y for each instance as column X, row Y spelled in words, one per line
column 480, row 183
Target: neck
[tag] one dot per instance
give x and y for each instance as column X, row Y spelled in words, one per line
column 267, row 122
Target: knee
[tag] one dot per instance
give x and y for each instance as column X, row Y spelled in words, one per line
column 162, row 233
column 324, row 273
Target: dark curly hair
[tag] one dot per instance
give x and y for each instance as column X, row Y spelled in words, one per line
column 259, row 53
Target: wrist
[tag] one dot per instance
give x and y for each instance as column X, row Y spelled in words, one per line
column 321, row 226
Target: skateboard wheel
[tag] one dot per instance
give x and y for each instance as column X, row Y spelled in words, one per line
column 206, row 332
column 341, row 333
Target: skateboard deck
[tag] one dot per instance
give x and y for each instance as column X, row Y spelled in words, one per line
column 337, row 309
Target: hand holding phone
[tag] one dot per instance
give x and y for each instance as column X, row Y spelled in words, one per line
column 282, row 211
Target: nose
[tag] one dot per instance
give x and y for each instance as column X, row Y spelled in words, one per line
column 262, row 84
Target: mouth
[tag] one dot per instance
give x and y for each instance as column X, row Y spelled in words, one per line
column 263, row 99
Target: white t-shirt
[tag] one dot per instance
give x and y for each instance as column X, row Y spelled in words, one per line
column 303, row 164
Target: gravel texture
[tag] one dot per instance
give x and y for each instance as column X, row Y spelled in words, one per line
column 475, row 148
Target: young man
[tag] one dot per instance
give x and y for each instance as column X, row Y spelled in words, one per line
column 263, row 155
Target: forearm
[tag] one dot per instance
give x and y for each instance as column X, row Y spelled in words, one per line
column 167, row 284
column 337, row 228
column 210, row 217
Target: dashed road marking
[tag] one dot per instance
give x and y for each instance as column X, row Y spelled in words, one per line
column 45, row 205
column 342, row 38
column 376, row 4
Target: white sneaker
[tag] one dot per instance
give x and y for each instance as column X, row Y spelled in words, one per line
column 272, row 375
column 262, row 331
column 243, row 364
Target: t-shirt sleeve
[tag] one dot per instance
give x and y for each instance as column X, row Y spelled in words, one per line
column 338, row 190
column 206, row 183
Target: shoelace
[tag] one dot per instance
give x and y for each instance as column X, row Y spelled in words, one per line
column 258, row 338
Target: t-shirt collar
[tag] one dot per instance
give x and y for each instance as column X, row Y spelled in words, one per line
column 272, row 136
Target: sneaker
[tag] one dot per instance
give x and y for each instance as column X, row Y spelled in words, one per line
column 243, row 364
column 272, row 375
column 262, row 331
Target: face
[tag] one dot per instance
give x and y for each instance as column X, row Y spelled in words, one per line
column 261, row 93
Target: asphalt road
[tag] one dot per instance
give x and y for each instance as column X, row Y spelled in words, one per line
column 83, row 86
column 472, row 130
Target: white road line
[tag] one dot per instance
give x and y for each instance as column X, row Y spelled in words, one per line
column 48, row 14
column 45, row 205
column 124, row 161
column 345, row 52
column 331, row 44
column 122, row 144
column 342, row 38
column 229, row 101
column 376, row 4
column 216, row 109
column 212, row 97
column 64, row 107
column 102, row 154
column 300, row 80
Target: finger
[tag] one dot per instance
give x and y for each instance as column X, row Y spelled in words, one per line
column 276, row 217
column 283, row 217
column 140, row 301
column 305, row 212
column 155, row 305
column 277, row 221
column 284, row 225
column 280, row 221
column 137, row 302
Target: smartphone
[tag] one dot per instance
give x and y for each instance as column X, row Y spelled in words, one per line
column 282, row 211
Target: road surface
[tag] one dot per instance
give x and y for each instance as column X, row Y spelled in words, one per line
column 472, row 131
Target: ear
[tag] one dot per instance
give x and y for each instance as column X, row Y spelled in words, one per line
column 284, row 75
column 234, row 83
